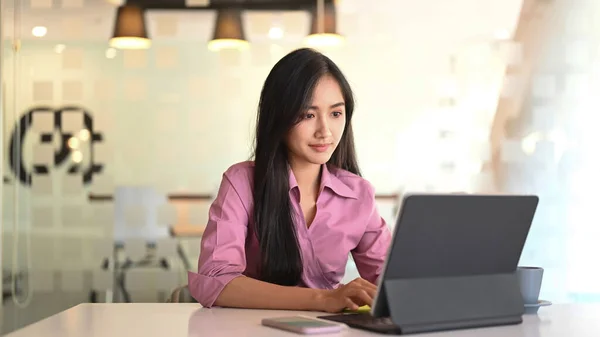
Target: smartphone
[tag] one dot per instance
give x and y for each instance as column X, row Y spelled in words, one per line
column 303, row 325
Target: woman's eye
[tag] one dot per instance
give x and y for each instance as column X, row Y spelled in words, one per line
column 309, row 116
column 337, row 114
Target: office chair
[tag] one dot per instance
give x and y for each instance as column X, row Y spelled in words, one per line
column 181, row 295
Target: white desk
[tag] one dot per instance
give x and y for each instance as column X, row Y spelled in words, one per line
column 160, row 320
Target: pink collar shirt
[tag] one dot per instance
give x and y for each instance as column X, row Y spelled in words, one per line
column 346, row 222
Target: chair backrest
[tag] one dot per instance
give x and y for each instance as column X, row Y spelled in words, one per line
column 136, row 215
column 181, row 295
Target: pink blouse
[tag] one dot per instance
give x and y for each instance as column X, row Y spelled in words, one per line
column 346, row 221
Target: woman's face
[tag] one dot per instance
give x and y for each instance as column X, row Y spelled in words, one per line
column 314, row 138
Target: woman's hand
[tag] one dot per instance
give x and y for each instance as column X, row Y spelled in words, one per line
column 353, row 295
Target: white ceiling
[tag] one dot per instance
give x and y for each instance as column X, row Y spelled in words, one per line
column 431, row 21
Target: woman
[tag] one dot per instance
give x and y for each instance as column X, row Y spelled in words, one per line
column 281, row 227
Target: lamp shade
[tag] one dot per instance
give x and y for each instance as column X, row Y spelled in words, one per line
column 130, row 29
column 229, row 31
column 323, row 30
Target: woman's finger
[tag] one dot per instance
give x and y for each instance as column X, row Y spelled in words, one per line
column 371, row 292
column 351, row 305
column 360, row 295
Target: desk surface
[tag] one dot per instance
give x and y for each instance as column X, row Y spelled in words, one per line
column 148, row 320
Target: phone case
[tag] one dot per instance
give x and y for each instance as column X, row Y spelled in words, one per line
column 299, row 328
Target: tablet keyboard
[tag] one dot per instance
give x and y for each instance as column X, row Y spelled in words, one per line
column 366, row 322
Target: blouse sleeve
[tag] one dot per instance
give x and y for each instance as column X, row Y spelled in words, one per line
column 371, row 251
column 222, row 254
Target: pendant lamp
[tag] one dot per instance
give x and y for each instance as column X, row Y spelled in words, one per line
column 323, row 28
column 229, row 31
column 130, row 29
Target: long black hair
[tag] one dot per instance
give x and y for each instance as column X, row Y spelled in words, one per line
column 286, row 92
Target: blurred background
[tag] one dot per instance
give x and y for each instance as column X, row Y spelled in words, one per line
column 118, row 120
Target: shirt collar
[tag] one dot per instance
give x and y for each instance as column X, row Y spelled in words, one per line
column 328, row 180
